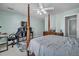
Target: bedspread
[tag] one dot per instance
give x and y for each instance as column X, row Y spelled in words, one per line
column 52, row 45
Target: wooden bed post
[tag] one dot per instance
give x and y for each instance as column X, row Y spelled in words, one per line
column 28, row 29
column 48, row 22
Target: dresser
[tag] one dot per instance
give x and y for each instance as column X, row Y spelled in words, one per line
column 53, row 33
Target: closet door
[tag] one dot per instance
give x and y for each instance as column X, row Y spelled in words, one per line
column 72, row 27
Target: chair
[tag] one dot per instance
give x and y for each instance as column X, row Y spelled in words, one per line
column 12, row 38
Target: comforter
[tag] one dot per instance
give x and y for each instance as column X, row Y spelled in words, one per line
column 52, row 45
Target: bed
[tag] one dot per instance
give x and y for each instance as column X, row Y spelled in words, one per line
column 52, row 45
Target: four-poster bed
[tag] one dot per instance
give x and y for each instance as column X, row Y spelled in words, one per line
column 50, row 45
column 48, row 22
column 28, row 30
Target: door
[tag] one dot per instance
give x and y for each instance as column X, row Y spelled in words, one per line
column 72, row 27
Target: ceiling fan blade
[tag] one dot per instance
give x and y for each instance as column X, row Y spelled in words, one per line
column 44, row 11
column 48, row 8
column 40, row 5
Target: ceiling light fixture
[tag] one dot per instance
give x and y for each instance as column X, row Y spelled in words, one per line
column 38, row 12
column 43, row 10
column 10, row 8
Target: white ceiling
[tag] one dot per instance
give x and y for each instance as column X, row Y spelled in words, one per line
column 22, row 8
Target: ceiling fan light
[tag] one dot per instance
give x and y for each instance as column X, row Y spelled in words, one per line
column 40, row 13
column 45, row 12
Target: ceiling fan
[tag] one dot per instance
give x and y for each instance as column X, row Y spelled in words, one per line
column 43, row 10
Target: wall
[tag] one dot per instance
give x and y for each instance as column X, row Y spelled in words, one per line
column 38, row 26
column 58, row 21
column 11, row 21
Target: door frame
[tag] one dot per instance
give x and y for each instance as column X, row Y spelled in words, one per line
column 66, row 19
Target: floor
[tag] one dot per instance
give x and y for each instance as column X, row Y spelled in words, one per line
column 16, row 52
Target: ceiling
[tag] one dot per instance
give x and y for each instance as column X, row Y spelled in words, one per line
column 21, row 8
